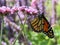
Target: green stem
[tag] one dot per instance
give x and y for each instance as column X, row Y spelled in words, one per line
column 20, row 32
column 2, row 23
column 16, row 39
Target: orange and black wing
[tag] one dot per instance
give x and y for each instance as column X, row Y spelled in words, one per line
column 47, row 29
column 40, row 24
column 34, row 24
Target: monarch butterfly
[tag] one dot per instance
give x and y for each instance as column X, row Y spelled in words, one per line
column 41, row 24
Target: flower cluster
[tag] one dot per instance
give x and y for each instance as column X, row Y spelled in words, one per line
column 28, row 10
column 4, row 10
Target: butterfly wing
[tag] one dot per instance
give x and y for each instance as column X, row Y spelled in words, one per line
column 40, row 24
column 47, row 28
column 34, row 24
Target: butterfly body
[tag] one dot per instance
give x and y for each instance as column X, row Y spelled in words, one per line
column 40, row 24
